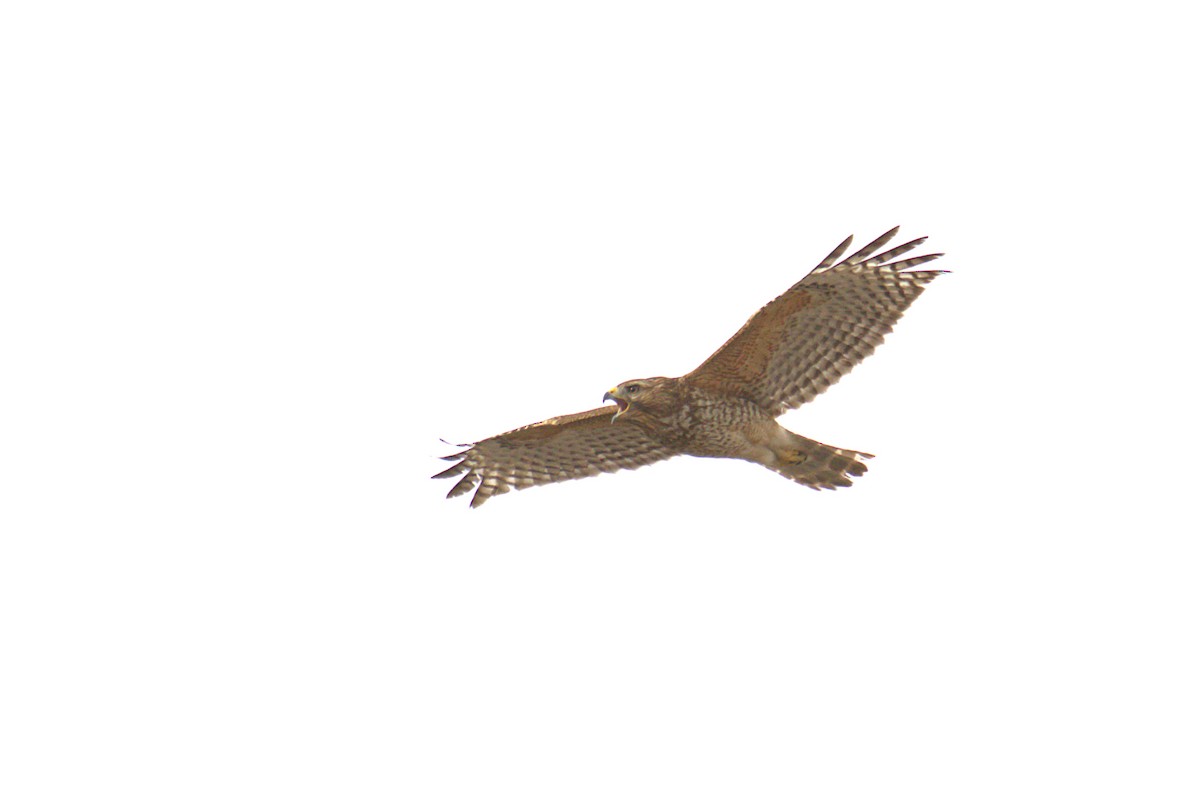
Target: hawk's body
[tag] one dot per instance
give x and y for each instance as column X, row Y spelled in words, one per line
column 785, row 355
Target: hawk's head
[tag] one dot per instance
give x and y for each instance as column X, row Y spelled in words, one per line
column 635, row 395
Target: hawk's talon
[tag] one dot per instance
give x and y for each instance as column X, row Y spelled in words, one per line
column 793, row 457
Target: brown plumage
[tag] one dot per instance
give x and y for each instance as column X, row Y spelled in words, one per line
column 789, row 352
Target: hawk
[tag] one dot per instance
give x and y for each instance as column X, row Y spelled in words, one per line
column 788, row 353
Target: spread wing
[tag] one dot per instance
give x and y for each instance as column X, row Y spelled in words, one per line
column 806, row 339
column 561, row 448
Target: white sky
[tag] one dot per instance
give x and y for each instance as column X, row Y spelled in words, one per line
column 259, row 257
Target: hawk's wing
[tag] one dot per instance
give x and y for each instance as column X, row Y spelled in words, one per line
column 807, row 338
column 561, row 448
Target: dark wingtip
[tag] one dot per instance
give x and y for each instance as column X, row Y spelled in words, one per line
column 462, row 486
column 453, row 471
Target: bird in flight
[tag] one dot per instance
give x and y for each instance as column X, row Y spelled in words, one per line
column 788, row 353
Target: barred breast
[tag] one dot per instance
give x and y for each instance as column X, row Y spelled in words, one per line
column 722, row 426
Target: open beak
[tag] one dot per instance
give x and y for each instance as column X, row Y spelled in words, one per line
column 622, row 404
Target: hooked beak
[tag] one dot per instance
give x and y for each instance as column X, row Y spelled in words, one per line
column 622, row 404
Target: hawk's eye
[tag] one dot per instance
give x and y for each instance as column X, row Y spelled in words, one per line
column 633, row 388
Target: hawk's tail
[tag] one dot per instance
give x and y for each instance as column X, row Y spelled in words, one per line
column 818, row 465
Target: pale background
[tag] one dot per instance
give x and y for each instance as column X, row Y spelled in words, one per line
column 259, row 257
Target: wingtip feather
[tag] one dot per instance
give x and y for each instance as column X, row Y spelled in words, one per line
column 834, row 255
column 462, row 486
